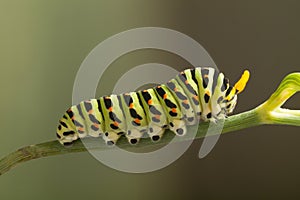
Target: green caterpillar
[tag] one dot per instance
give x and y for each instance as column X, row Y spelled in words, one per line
column 194, row 95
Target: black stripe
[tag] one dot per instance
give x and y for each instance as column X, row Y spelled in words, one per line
column 146, row 96
column 161, row 101
column 78, row 124
column 171, row 85
column 128, row 99
column 204, row 79
column 113, row 126
column 57, row 135
column 155, row 119
column 93, row 119
column 120, row 102
column 93, row 127
column 228, row 91
column 134, row 114
column 190, row 89
column 107, row 102
column 185, row 105
column 193, row 72
column 88, row 106
column 100, row 108
column 180, row 96
column 122, row 110
column 215, row 80
column 160, row 91
column 173, row 114
column 196, row 102
column 80, row 111
column 182, row 77
column 204, row 71
column 170, row 104
column 66, row 133
column 140, row 102
column 206, row 98
column 63, row 124
column 135, row 123
column 225, row 84
column 114, row 117
column 204, row 82
column 154, row 110
column 70, row 113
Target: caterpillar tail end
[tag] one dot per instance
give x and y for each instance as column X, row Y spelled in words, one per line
column 65, row 132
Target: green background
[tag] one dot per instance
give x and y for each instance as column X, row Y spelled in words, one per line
column 42, row 44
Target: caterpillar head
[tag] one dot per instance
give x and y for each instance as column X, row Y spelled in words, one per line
column 232, row 92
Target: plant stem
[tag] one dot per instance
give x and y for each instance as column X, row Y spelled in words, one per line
column 51, row 148
column 270, row 112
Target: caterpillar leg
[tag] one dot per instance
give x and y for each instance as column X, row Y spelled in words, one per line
column 155, row 132
column 68, row 141
column 134, row 135
column 111, row 138
column 178, row 127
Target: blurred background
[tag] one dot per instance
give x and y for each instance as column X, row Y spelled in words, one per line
column 43, row 43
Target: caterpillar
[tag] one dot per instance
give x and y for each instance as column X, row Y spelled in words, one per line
column 194, row 95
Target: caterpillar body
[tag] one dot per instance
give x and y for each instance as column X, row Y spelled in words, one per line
column 194, row 95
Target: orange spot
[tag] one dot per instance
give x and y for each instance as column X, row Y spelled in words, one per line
column 131, row 105
column 157, row 116
column 186, row 82
column 195, row 97
column 205, row 76
column 175, row 89
column 116, row 123
column 185, row 101
column 174, row 110
column 96, row 125
column 137, row 120
column 165, row 96
column 73, row 118
column 81, row 129
column 150, row 102
column 110, row 108
column 91, row 112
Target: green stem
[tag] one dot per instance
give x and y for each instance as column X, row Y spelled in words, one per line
column 270, row 112
column 51, row 148
column 285, row 117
